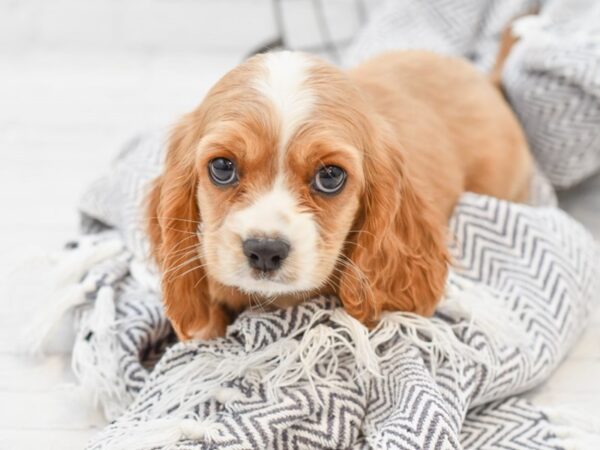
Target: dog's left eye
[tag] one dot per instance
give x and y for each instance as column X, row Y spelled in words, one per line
column 222, row 171
column 329, row 180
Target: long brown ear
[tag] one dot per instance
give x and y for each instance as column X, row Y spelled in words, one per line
column 399, row 261
column 173, row 219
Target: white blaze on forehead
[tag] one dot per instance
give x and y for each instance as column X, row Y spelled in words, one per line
column 276, row 213
column 284, row 83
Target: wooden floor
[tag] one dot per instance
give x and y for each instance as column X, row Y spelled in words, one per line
column 61, row 120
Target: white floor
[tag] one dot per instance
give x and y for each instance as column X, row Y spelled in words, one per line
column 61, row 119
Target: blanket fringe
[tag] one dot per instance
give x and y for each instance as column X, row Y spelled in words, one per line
column 278, row 365
column 538, row 28
column 164, row 433
column 284, row 363
column 63, row 288
column 432, row 336
column 321, row 345
column 96, row 354
column 439, row 339
column 484, row 309
column 314, row 352
column 573, row 430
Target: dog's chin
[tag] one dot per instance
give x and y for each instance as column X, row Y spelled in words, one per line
column 270, row 285
column 267, row 287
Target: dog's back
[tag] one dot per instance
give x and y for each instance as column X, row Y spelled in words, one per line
column 455, row 129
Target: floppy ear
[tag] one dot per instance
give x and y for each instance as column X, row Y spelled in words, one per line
column 173, row 219
column 400, row 246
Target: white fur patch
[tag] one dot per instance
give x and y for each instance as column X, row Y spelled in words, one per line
column 276, row 214
column 284, row 84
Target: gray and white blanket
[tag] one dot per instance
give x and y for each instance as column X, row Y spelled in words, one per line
column 523, row 281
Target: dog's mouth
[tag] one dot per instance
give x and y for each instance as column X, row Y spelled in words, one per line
column 267, row 283
column 271, row 275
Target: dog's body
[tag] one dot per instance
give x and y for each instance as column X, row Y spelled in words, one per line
column 457, row 133
column 338, row 183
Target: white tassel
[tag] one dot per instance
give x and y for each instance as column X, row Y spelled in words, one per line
column 567, row 416
column 102, row 317
column 227, row 395
column 437, row 338
column 484, row 310
column 96, row 355
column 298, row 361
column 575, row 21
column 432, row 336
column 296, row 357
column 574, row 431
column 164, row 433
column 289, row 360
column 39, row 330
column 323, row 344
column 364, row 353
column 532, row 27
column 60, row 287
column 278, row 364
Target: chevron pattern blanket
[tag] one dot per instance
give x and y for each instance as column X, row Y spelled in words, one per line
column 551, row 77
column 523, row 282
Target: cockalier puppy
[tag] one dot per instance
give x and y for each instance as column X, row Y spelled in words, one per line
column 295, row 178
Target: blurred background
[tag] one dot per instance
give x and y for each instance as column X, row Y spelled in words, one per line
column 77, row 80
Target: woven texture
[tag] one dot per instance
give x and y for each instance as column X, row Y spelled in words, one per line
column 523, row 283
column 552, row 77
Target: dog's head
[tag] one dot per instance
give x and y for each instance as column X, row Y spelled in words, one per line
column 284, row 182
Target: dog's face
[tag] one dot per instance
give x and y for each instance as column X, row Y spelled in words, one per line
column 283, row 183
column 279, row 177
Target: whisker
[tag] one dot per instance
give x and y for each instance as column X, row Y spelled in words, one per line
column 185, row 263
column 178, row 251
column 177, row 258
column 179, row 230
column 200, row 280
column 174, row 218
column 200, row 266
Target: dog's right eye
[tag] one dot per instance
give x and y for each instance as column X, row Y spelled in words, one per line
column 329, row 180
column 222, row 171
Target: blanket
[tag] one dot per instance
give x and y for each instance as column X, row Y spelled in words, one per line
column 519, row 293
column 551, row 77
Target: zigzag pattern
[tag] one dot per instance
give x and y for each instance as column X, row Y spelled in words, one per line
column 554, row 89
column 538, row 263
column 510, row 424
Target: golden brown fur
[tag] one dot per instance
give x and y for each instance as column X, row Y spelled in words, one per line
column 412, row 129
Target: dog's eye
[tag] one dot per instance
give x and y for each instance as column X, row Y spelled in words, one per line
column 222, row 171
column 329, row 180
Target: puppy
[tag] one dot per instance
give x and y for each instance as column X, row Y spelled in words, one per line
column 294, row 178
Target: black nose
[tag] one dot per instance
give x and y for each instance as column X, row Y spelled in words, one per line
column 265, row 254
